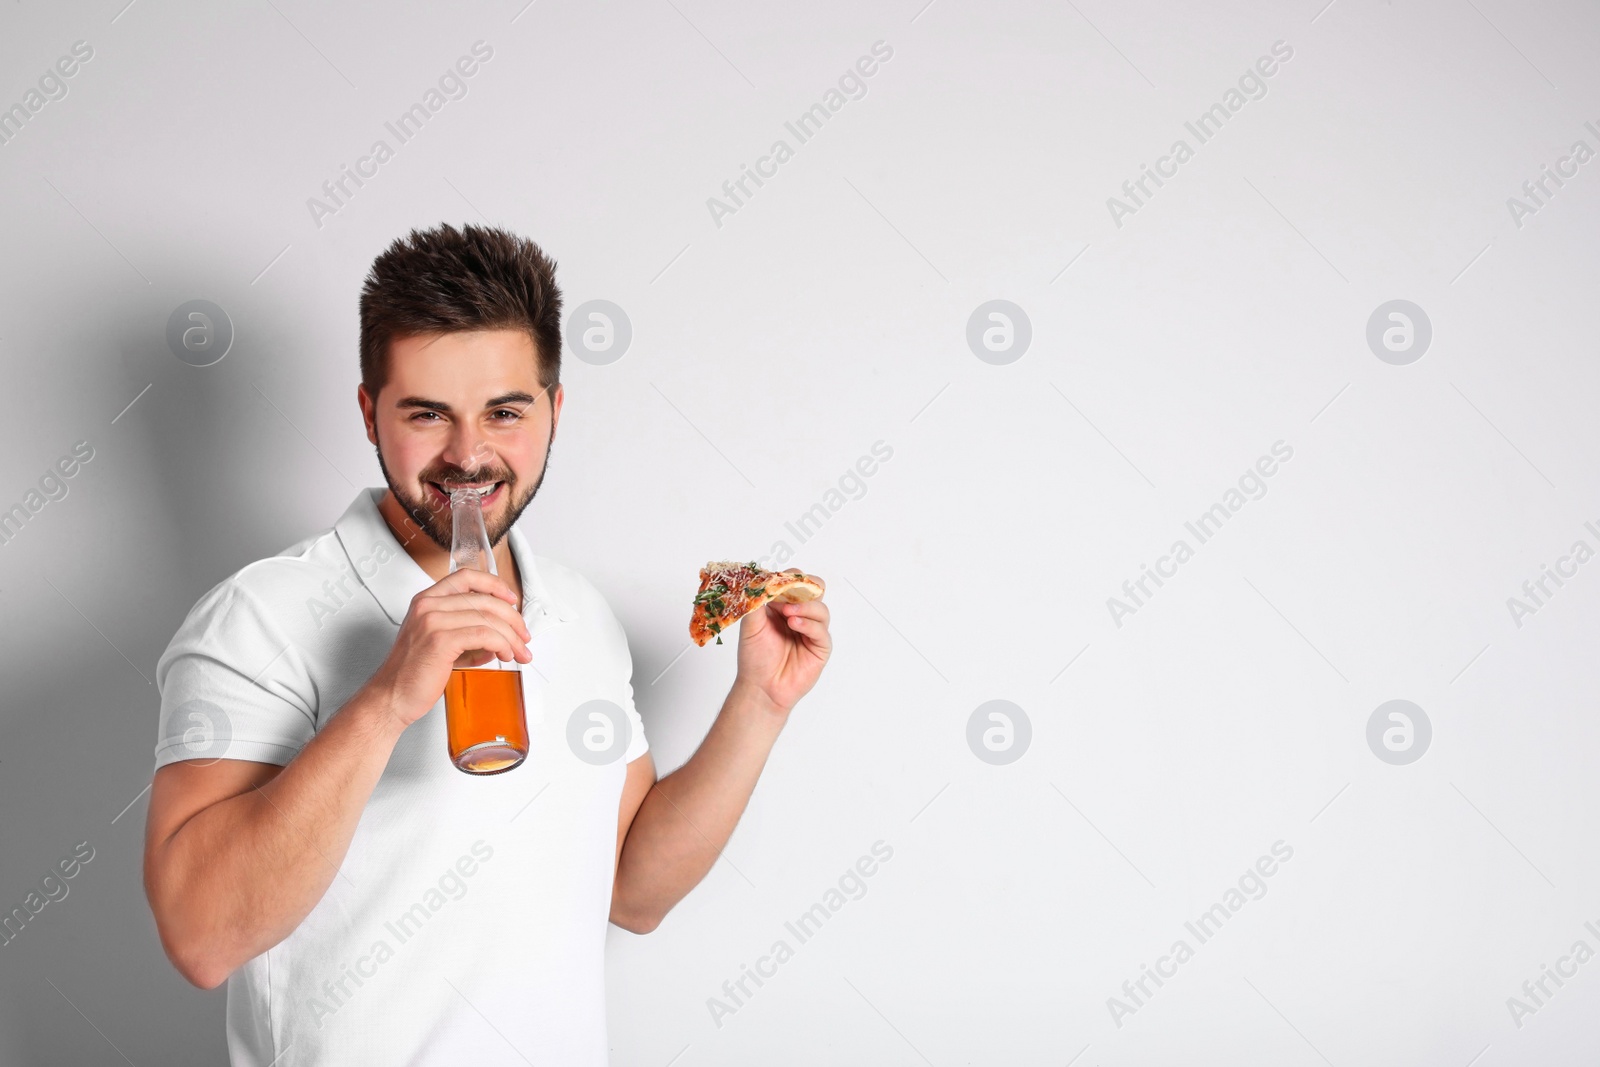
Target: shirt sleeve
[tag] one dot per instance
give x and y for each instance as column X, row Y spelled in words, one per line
column 232, row 686
column 638, row 744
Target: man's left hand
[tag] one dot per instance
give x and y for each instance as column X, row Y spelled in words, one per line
column 782, row 647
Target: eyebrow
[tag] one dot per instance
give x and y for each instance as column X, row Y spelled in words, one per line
column 515, row 397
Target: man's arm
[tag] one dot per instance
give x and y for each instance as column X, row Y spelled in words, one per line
column 676, row 828
column 641, row 776
column 686, row 818
column 237, row 853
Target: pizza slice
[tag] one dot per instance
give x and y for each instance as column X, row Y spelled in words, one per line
column 729, row 590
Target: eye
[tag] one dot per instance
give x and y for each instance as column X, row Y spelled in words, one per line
column 514, row 415
column 421, row 415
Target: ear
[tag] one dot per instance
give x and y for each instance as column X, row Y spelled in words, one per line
column 556, row 400
column 369, row 412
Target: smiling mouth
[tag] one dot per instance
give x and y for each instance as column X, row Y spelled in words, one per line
column 486, row 490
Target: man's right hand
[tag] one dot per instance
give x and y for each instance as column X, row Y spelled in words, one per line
column 465, row 619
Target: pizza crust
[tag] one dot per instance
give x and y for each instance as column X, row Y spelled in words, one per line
column 801, row 587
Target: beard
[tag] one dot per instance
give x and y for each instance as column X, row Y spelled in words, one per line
column 439, row 524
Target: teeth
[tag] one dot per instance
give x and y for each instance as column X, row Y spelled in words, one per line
column 481, row 490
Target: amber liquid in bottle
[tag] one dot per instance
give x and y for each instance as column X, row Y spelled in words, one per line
column 484, row 717
column 485, row 724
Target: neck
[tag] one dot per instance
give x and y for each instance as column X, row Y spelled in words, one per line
column 435, row 561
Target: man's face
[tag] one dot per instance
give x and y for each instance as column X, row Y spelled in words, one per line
column 463, row 409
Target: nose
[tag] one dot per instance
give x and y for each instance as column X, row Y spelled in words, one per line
column 467, row 449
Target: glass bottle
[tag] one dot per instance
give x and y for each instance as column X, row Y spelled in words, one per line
column 484, row 716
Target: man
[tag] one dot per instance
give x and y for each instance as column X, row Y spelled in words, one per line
column 309, row 839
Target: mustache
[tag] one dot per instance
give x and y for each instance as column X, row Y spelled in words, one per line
column 451, row 480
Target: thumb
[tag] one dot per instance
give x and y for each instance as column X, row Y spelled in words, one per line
column 754, row 622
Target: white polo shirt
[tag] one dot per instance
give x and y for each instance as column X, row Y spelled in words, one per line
column 467, row 923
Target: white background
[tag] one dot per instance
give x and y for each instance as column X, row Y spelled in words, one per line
column 769, row 353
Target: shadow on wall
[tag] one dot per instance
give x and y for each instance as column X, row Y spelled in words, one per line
column 201, row 475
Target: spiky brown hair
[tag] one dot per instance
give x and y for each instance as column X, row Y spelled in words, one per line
column 444, row 280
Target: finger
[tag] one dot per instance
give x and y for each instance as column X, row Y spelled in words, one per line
column 811, row 631
column 467, row 630
column 475, row 581
column 754, row 621
column 475, row 646
column 488, row 605
column 475, row 658
column 807, row 609
column 471, row 581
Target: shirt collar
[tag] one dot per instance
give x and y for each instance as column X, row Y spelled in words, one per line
column 365, row 535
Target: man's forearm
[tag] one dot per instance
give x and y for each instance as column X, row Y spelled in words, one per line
column 688, row 816
column 240, row 875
